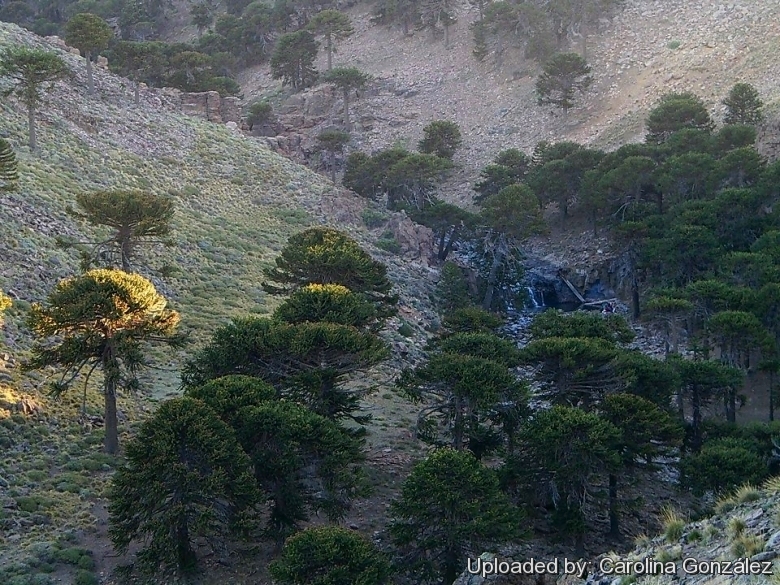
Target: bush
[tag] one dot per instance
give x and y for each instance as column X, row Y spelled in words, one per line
column 259, row 113
column 388, row 243
column 722, row 464
column 442, row 138
column 374, row 219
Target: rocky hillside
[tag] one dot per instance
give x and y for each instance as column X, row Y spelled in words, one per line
column 641, row 51
column 237, row 202
column 745, row 526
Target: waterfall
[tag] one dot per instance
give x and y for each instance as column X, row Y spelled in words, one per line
column 535, row 301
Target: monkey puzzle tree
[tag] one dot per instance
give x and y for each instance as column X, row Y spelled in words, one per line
column 185, row 477
column 334, row 26
column 293, row 59
column 442, row 138
column 347, row 79
column 459, row 393
column 450, row 504
column 671, row 313
column 140, row 62
column 89, row 34
column 134, row 217
column 563, row 76
column 743, row 106
column 304, row 462
column 9, row 170
column 323, row 255
column 227, row 395
column 674, row 112
column 332, row 141
column 330, row 303
column 702, row 382
column 306, row 362
column 554, row 323
column 566, row 448
column 103, row 320
column 201, row 17
column 447, row 221
column 647, row 432
column 260, row 112
column 510, row 217
column 29, row 70
column 330, row 555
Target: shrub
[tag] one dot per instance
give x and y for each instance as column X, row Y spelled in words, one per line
column 722, row 465
column 442, row 138
column 673, row 525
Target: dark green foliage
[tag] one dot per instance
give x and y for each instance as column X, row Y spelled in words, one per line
column 722, row 465
column 101, row 319
column 134, row 218
column 566, row 448
column 554, row 323
column 333, row 26
column 407, row 179
column 442, row 138
column 259, row 113
column 509, row 168
column 448, row 222
column 330, row 555
column 331, row 303
column 201, row 16
column 307, row 361
column 9, row 171
column 743, row 106
column 5, row 303
column 472, row 319
column 481, row 345
column 652, row 379
column 452, row 291
column 227, row 395
column 293, row 60
column 735, row 136
column 332, row 141
column 347, row 79
column 305, row 462
column 450, row 504
column 459, row 392
column 29, row 70
column 675, row 112
column 186, row 477
column 89, row 34
column 327, row 256
column 563, row 77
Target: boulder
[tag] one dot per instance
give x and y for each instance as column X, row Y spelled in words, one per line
column 416, row 241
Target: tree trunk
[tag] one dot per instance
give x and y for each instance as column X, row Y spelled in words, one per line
column 696, row 422
column 487, row 302
column 450, row 244
column 125, row 253
column 614, row 526
column 347, row 124
column 31, row 127
column 457, row 431
column 184, row 553
column 90, row 81
column 635, row 295
column 329, row 44
column 111, row 426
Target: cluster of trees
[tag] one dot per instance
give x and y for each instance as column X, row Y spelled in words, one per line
column 538, row 28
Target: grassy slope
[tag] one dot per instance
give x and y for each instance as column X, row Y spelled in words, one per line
column 237, row 203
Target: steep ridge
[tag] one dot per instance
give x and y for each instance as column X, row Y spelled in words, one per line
column 642, row 50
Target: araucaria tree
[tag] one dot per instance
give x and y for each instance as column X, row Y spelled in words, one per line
column 324, row 255
column 334, row 26
column 330, row 555
column 563, row 77
column 134, row 217
column 89, row 34
column 9, row 171
column 449, row 504
column 185, row 477
column 675, row 112
column 347, row 79
column 293, row 59
column 332, row 141
column 743, row 106
column 29, row 70
column 442, row 138
column 102, row 320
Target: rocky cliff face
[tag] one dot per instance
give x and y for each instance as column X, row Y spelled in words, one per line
column 739, row 545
